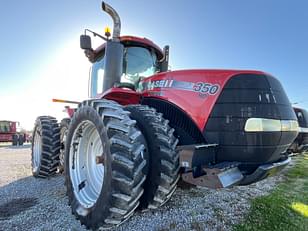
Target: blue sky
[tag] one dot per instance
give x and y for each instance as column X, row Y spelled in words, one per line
column 41, row 59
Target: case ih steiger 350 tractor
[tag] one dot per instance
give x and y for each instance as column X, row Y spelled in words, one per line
column 145, row 127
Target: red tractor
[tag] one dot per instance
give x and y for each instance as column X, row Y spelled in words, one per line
column 300, row 144
column 145, row 127
column 9, row 133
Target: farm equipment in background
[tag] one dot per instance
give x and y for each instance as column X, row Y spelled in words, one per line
column 300, row 144
column 144, row 127
column 9, row 132
column 63, row 125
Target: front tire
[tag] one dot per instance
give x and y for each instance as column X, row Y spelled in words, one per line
column 45, row 147
column 103, row 164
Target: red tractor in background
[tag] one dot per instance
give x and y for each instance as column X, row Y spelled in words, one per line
column 9, row 133
column 144, row 127
column 300, row 144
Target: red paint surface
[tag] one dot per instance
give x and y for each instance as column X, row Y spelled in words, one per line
column 196, row 107
column 123, row 96
column 6, row 137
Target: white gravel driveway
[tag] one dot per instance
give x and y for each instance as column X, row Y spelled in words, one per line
column 27, row 203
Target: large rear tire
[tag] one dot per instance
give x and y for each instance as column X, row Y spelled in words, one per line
column 14, row 139
column 162, row 159
column 45, row 147
column 21, row 139
column 103, row 164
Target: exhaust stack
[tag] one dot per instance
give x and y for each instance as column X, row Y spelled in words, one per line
column 114, row 52
column 116, row 20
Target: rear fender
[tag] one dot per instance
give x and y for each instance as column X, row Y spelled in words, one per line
column 123, row 96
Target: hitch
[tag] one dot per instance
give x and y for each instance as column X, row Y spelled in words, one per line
column 201, row 169
column 215, row 177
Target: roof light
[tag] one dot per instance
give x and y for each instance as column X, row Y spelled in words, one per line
column 107, row 32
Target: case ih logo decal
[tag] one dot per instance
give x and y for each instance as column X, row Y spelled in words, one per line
column 204, row 89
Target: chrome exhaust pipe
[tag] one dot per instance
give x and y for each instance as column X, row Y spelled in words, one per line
column 114, row 52
column 116, row 21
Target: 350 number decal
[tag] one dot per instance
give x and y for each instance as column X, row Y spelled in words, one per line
column 206, row 88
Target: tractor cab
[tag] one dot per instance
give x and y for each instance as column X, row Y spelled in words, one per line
column 141, row 59
column 122, row 61
column 8, row 126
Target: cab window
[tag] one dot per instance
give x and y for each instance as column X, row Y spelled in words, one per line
column 138, row 63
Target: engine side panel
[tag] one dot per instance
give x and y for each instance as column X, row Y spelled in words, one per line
column 193, row 91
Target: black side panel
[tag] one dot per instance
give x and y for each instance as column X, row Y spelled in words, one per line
column 249, row 96
column 185, row 129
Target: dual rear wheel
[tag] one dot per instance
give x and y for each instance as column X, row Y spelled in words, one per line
column 45, row 147
column 18, row 139
column 116, row 159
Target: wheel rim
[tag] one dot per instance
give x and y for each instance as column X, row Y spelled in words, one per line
column 87, row 176
column 37, row 151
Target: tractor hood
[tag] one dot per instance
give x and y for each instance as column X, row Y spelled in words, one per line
column 197, row 90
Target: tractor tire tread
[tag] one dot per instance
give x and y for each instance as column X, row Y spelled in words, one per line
column 164, row 164
column 126, row 160
column 50, row 136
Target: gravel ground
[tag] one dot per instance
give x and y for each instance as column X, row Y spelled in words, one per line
column 27, row 203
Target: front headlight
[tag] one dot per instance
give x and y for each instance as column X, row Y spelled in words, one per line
column 270, row 125
column 289, row 125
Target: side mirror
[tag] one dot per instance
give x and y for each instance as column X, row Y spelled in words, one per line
column 85, row 42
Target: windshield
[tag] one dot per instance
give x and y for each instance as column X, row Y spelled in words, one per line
column 5, row 126
column 138, row 63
